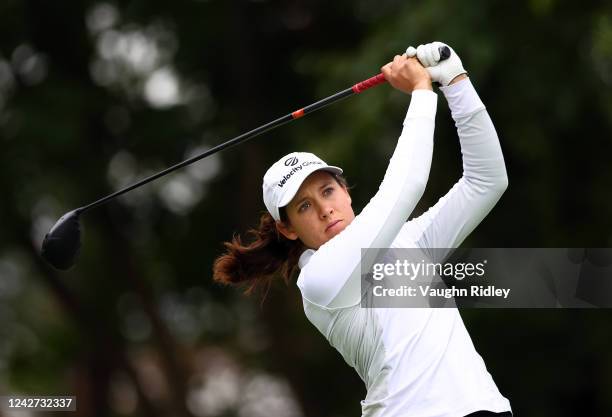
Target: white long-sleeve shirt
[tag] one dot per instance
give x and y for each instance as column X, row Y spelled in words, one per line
column 415, row 362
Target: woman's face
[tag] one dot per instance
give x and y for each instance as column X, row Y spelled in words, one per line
column 319, row 211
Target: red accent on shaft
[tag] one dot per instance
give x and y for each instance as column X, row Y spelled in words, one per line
column 370, row 82
column 297, row 114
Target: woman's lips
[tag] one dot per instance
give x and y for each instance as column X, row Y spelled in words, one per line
column 332, row 224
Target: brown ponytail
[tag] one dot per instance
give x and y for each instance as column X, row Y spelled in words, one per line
column 255, row 264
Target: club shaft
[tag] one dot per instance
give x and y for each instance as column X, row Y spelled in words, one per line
column 355, row 89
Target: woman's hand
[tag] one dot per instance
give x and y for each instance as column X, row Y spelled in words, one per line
column 407, row 74
column 445, row 72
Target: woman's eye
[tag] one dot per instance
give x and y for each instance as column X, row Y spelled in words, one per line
column 304, row 206
column 328, row 191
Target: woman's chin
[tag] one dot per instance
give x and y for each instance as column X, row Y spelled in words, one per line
column 330, row 233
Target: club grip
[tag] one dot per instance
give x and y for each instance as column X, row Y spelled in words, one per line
column 445, row 53
column 370, row 82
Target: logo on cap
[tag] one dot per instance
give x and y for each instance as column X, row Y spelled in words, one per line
column 289, row 162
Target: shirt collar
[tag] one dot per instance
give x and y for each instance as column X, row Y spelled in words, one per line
column 305, row 257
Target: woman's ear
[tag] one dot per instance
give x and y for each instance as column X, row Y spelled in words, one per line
column 286, row 230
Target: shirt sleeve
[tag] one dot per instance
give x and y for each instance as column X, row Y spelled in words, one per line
column 331, row 276
column 454, row 216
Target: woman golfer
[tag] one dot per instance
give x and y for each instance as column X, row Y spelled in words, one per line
column 417, row 362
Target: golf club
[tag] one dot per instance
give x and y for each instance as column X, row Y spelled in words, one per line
column 62, row 244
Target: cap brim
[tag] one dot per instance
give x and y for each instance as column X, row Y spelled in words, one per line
column 293, row 189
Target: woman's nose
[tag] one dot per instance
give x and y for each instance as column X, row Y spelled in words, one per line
column 326, row 211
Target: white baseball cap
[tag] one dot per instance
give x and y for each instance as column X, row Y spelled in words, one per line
column 283, row 179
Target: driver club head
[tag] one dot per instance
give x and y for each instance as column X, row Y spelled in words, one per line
column 62, row 244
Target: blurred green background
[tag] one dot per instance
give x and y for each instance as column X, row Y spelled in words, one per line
column 95, row 95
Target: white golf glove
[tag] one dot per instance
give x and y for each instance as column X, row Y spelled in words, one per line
column 429, row 55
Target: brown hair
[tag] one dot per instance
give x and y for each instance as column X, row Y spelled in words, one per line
column 255, row 264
